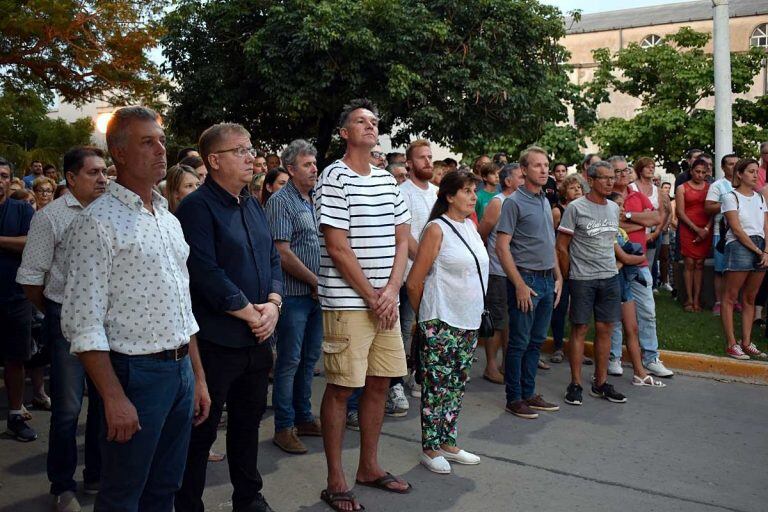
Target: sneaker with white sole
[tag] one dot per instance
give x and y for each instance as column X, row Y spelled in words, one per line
column 607, row 392
column 461, row 457
column 614, row 367
column 657, row 368
column 736, row 352
column 752, row 351
column 413, row 386
column 437, row 465
column 666, row 287
column 67, row 502
column 397, row 404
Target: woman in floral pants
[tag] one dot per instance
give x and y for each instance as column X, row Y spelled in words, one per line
column 446, row 286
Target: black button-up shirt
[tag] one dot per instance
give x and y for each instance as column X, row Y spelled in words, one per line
column 232, row 261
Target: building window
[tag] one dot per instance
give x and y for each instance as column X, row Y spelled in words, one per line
column 650, row 41
column 760, row 36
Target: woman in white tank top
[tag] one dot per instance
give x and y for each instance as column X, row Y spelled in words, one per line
column 446, row 286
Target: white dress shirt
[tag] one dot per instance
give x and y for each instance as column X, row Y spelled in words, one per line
column 127, row 284
column 42, row 263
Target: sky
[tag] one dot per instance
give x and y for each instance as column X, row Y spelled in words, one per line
column 589, row 6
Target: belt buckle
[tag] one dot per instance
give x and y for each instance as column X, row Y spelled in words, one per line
column 177, row 355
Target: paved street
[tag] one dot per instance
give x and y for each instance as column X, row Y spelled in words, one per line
column 699, row 445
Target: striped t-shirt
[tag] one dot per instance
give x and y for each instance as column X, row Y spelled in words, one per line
column 368, row 208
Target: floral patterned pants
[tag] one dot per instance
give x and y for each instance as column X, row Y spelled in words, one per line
column 446, row 357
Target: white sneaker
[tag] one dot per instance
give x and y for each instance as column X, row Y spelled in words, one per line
column 67, row 502
column 666, row 287
column 657, row 368
column 462, row 457
column 436, row 465
column 397, row 404
column 614, row 367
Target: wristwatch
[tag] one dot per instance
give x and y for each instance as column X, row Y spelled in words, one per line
column 628, row 215
column 279, row 305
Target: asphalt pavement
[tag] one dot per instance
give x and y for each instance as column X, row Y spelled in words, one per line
column 697, row 445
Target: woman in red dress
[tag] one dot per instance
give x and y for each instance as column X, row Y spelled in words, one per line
column 695, row 230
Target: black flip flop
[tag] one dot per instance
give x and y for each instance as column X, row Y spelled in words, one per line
column 381, row 483
column 332, row 498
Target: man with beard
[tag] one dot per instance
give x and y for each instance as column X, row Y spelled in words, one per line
column 420, row 196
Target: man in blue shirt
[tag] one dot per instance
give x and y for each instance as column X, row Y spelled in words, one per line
column 15, row 309
column 236, row 285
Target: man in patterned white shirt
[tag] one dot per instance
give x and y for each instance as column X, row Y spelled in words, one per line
column 42, row 275
column 127, row 313
column 364, row 230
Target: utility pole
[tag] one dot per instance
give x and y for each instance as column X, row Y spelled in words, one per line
column 723, row 100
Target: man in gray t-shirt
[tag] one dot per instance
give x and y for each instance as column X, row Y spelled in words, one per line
column 586, row 242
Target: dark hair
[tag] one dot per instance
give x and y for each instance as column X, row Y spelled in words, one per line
column 691, row 152
column 354, row 105
column 35, row 162
column 6, row 163
column 59, row 191
column 192, row 161
column 613, row 196
column 270, row 180
column 699, row 161
column 489, row 169
column 452, row 182
column 554, row 165
column 739, row 169
column 183, row 152
column 74, row 158
column 450, row 161
column 725, row 157
column 49, row 166
column 391, row 156
column 587, row 158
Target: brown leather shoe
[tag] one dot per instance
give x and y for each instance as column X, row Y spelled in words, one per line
column 312, row 428
column 538, row 403
column 287, row 441
column 521, row 409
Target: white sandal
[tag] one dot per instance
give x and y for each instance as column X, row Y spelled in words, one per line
column 648, row 380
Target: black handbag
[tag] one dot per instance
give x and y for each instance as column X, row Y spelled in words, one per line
column 486, row 323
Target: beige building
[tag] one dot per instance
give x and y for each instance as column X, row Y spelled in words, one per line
column 647, row 26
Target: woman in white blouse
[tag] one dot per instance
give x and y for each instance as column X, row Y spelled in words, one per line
column 446, row 287
column 746, row 259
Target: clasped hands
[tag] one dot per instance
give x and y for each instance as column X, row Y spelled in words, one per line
column 262, row 320
column 383, row 303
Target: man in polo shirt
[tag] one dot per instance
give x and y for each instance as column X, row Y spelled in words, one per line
column 126, row 311
column 586, row 254
column 525, row 245
column 42, row 274
column 638, row 215
column 363, row 247
column 300, row 328
column 236, row 285
column 15, row 309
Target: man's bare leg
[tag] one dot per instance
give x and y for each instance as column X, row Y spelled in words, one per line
column 602, row 346
column 576, row 350
column 371, row 416
column 333, row 417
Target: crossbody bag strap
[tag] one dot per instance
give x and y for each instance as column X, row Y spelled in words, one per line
column 477, row 263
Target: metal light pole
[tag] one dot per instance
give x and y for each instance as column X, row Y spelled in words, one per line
column 723, row 100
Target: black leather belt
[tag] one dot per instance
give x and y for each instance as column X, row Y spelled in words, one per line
column 540, row 273
column 174, row 354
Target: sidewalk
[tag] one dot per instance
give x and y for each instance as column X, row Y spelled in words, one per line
column 698, row 445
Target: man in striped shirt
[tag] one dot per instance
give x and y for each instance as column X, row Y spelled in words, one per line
column 364, row 230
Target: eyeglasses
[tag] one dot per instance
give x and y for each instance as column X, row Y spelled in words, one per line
column 239, row 151
column 44, row 191
column 377, row 154
column 621, row 172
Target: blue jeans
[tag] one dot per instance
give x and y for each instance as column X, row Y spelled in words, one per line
column 299, row 341
column 144, row 473
column 527, row 331
column 646, row 320
column 68, row 381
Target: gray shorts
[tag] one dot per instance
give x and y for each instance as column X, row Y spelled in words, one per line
column 497, row 302
column 599, row 296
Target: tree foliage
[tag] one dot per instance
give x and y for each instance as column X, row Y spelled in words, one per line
column 83, row 49
column 27, row 133
column 470, row 74
column 671, row 79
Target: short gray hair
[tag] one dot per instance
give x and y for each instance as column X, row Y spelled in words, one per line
column 295, row 149
column 617, row 158
column 121, row 118
column 507, row 171
column 763, row 146
column 391, row 167
column 592, row 171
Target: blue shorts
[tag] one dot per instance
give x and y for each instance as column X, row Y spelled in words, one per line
column 626, row 289
column 719, row 256
column 740, row 259
column 601, row 297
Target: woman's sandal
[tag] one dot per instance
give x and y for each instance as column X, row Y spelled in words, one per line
column 688, row 308
column 333, row 498
column 648, row 380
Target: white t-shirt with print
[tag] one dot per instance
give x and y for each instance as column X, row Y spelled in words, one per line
column 751, row 213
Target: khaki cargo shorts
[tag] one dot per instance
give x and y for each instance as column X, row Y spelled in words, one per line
column 353, row 348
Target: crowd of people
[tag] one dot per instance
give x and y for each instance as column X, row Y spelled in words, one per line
column 170, row 297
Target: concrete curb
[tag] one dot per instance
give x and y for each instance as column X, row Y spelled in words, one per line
column 754, row 372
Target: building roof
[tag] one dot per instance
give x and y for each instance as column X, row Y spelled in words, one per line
column 661, row 15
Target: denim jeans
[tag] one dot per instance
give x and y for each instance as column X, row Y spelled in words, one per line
column 68, row 381
column 239, row 377
column 299, row 341
column 144, row 473
column 527, row 332
column 559, row 315
column 646, row 320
